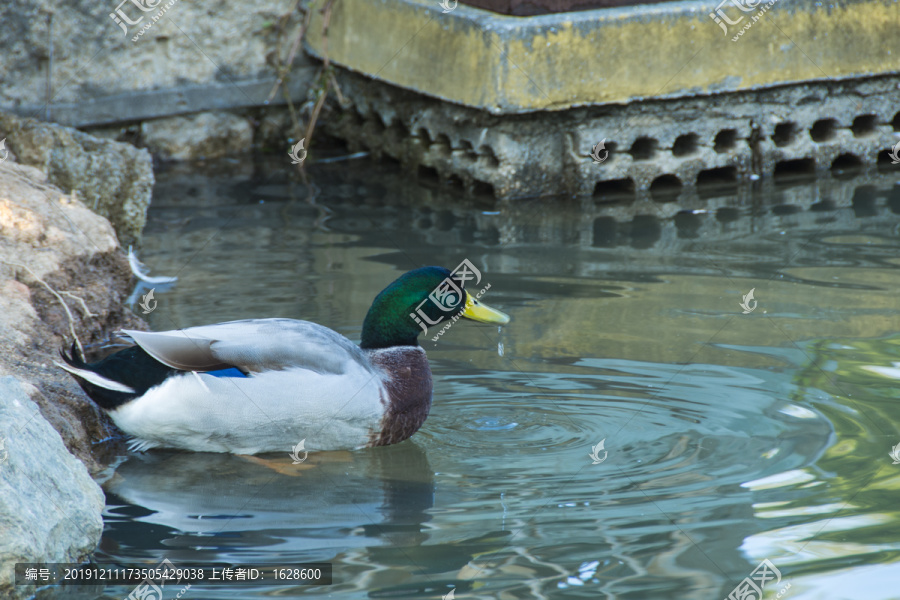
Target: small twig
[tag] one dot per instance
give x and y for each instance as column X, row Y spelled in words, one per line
column 49, row 64
column 84, row 307
column 326, row 62
column 325, row 78
column 326, row 21
column 292, row 54
column 323, row 95
column 58, row 297
column 292, row 112
column 337, row 88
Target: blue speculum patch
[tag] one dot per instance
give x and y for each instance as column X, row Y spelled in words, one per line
column 229, row 372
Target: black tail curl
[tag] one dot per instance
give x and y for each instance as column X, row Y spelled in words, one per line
column 131, row 367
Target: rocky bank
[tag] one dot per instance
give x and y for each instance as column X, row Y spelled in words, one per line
column 63, row 274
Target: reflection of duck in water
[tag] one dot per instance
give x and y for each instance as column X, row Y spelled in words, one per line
column 260, row 385
column 209, row 504
column 368, row 508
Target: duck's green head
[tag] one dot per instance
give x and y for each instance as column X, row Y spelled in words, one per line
column 420, row 299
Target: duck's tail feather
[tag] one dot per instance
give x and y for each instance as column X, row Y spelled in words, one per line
column 106, row 392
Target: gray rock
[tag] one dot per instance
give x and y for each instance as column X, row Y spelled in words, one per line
column 47, row 237
column 207, row 135
column 113, row 179
column 50, row 508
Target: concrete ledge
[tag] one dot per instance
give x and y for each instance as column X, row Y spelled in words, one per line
column 804, row 129
column 513, row 65
column 141, row 105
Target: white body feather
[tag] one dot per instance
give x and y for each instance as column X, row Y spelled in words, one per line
column 307, row 383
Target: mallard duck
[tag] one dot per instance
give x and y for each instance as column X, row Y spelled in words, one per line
column 261, row 385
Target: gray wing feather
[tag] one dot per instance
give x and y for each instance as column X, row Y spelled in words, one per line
column 252, row 345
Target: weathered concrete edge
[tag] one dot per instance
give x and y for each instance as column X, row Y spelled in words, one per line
column 548, row 153
column 487, row 61
column 167, row 102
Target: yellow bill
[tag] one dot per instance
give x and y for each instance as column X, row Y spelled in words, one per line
column 483, row 313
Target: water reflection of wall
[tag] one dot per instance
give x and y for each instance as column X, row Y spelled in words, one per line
column 632, row 278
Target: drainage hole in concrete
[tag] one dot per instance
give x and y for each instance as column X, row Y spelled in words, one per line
column 864, row 125
column 685, row 145
column 443, row 144
column 846, row 166
column 428, row 173
column 454, row 181
column 480, row 188
column 614, row 189
column 611, row 148
column 725, row 140
column 424, row 136
column 355, row 118
column 784, row 134
column 794, row 169
column 712, row 182
column 398, row 131
column 823, row 130
column 486, row 153
column 644, row 148
column 665, row 188
column 468, row 151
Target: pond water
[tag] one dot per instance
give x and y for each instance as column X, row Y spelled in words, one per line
column 728, row 437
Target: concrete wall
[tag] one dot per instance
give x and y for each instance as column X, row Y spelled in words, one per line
column 72, row 63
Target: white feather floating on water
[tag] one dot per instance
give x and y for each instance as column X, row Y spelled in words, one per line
column 139, row 270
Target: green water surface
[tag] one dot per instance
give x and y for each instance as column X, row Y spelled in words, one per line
column 728, row 438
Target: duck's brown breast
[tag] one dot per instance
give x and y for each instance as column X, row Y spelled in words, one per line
column 409, row 389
